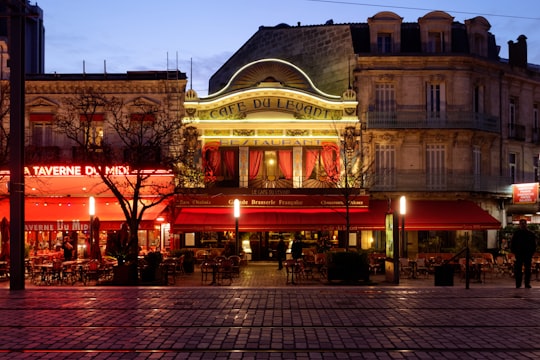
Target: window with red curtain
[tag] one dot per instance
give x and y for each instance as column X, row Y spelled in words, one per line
column 330, row 157
column 211, row 162
column 229, row 158
column 143, row 117
column 255, row 158
column 92, row 117
column 285, row 163
column 310, row 161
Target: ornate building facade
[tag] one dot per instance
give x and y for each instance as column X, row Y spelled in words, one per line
column 318, row 130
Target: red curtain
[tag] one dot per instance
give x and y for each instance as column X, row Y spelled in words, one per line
column 255, row 158
column 230, row 162
column 285, row 163
column 311, row 159
column 211, row 162
column 330, row 156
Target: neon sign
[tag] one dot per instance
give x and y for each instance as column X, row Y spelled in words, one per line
column 74, row 170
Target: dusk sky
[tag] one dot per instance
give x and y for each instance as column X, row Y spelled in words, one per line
column 142, row 35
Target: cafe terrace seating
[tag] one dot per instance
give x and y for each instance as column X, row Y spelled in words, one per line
column 220, row 270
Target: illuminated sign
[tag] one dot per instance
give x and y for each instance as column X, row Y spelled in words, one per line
column 83, row 170
column 236, row 109
column 286, row 201
column 525, row 193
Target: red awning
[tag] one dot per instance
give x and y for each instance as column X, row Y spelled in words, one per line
column 421, row 215
column 447, row 215
column 51, row 213
column 258, row 219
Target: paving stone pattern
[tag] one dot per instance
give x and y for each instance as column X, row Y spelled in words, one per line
column 313, row 320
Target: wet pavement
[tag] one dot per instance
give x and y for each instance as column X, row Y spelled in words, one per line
column 260, row 316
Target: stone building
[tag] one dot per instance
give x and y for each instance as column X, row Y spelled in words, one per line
column 439, row 117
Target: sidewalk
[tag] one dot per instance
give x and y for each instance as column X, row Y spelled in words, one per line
column 264, row 318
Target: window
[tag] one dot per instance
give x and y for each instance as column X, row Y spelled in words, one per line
column 512, row 166
column 435, row 101
column 321, row 165
column 42, row 134
column 535, row 168
column 435, row 167
column 477, row 165
column 385, row 100
column 478, row 100
column 385, row 157
column 92, row 126
column 435, row 42
column 512, row 117
column 42, row 129
column 384, row 43
column 535, row 117
column 535, row 129
column 221, row 165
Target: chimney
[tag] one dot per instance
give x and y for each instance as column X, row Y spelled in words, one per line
column 517, row 52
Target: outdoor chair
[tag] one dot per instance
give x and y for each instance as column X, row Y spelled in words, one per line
column 422, row 267
column 293, row 270
column 405, row 267
column 224, row 272
column 91, row 273
column 207, row 268
column 236, row 260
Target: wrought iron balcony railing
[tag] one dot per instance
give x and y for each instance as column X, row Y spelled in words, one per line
column 428, row 120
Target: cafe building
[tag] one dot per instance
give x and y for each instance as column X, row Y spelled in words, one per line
column 298, row 161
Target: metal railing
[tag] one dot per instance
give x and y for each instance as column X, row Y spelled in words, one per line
column 427, row 120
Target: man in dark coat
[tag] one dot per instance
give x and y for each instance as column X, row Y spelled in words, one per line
column 523, row 246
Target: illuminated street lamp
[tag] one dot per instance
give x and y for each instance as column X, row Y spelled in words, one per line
column 236, row 216
column 403, row 211
column 91, row 212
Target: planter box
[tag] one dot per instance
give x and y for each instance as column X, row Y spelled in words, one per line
column 348, row 267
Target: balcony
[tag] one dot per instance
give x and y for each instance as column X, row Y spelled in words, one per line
column 42, row 154
column 424, row 120
column 420, row 181
column 535, row 138
column 516, row 132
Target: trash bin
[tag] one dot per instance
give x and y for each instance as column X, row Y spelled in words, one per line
column 444, row 275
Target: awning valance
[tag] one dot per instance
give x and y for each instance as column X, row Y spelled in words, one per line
column 67, row 213
column 421, row 215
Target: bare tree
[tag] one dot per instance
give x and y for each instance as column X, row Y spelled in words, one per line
column 4, row 121
column 143, row 135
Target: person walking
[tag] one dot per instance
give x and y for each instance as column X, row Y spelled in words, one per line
column 281, row 252
column 523, row 247
column 68, row 248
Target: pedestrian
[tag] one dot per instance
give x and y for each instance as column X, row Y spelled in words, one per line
column 296, row 248
column 281, row 252
column 68, row 248
column 523, row 246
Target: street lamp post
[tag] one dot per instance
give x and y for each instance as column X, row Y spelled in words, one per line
column 236, row 216
column 403, row 211
column 91, row 212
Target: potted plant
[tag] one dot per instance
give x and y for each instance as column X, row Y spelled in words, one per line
column 348, row 266
column 149, row 270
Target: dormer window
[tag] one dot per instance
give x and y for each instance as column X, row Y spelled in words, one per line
column 435, row 42
column 384, row 43
column 435, row 32
column 385, row 33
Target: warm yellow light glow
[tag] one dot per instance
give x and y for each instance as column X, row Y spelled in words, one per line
column 92, row 206
column 236, row 208
column 403, row 205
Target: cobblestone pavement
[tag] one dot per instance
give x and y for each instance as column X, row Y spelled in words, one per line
column 259, row 316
